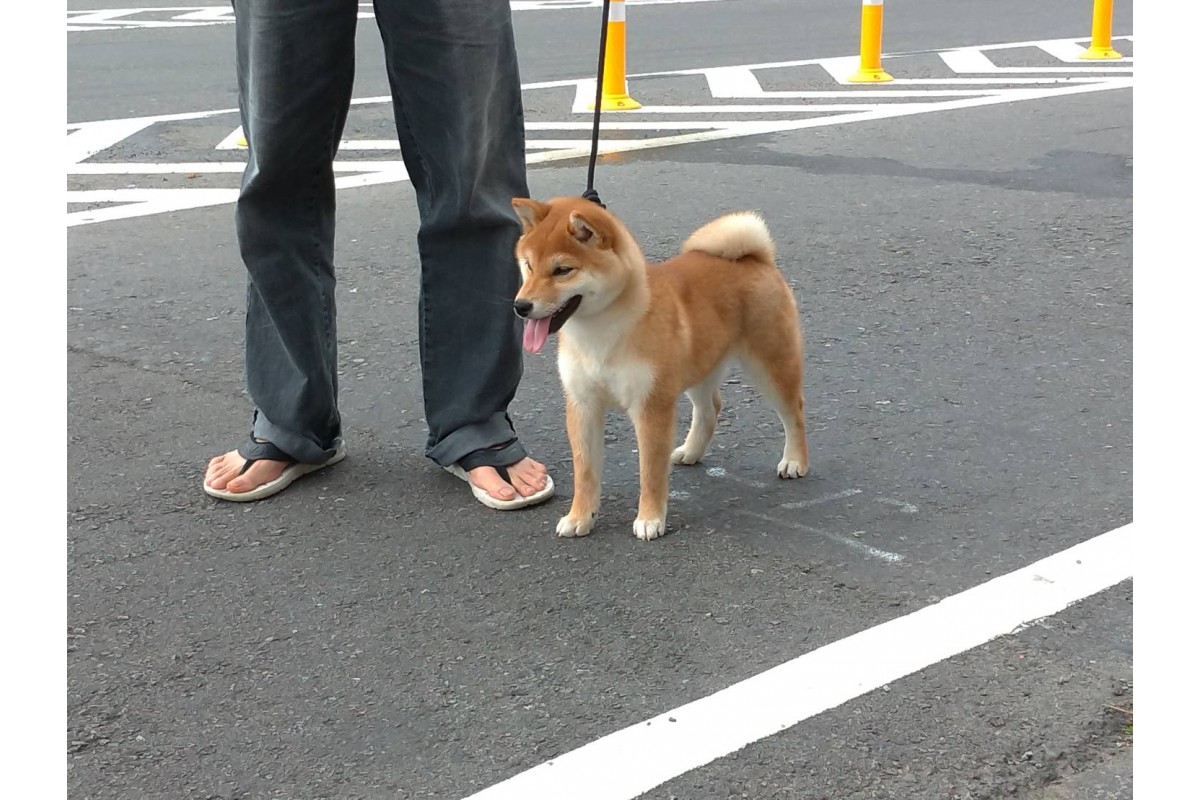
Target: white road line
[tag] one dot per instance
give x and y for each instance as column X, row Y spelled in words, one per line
column 869, row 94
column 140, row 202
column 1063, row 70
column 358, row 101
column 838, row 65
column 1070, row 52
column 1064, row 51
column 837, row 538
column 172, row 168
column 562, row 5
column 723, row 86
column 591, row 84
column 220, row 13
column 138, row 25
column 212, row 167
column 810, row 108
column 369, row 144
column 729, row 87
column 967, row 60
column 737, row 130
column 585, row 93
column 559, row 144
column 1048, row 80
column 193, row 16
column 710, row 132
column 230, row 142
column 733, row 82
column 394, row 172
column 1004, row 46
column 841, row 68
column 632, row 126
column 108, row 15
column 180, row 117
column 634, row 760
column 825, row 498
column 88, row 140
column 972, row 60
column 532, row 144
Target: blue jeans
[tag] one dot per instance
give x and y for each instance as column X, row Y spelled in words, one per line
column 456, row 95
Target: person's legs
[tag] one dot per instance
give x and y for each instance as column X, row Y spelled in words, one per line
column 295, row 65
column 456, row 90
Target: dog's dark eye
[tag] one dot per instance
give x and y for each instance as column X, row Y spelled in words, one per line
column 560, row 271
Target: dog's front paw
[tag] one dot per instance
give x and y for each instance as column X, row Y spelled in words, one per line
column 647, row 529
column 570, row 526
column 792, row 469
column 681, row 455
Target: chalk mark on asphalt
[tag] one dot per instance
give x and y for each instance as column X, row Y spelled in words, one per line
column 837, row 538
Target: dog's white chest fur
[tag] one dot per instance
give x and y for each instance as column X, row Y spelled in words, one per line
column 612, row 377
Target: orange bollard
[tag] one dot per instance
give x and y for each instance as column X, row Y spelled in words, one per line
column 870, row 69
column 1101, row 32
column 615, row 88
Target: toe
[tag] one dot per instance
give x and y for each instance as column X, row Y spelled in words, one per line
column 222, row 469
column 219, row 466
column 260, row 473
column 489, row 480
column 523, row 487
column 528, row 476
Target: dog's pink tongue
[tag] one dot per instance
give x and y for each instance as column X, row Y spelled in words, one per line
column 537, row 331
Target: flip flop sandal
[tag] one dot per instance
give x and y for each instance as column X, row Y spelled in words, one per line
column 252, row 451
column 503, row 505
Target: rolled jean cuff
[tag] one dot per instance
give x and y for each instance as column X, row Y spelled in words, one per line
column 301, row 448
column 496, row 431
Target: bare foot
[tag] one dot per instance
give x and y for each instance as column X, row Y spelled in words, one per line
column 528, row 477
column 223, row 473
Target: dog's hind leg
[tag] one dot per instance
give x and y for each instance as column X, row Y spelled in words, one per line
column 706, row 405
column 775, row 365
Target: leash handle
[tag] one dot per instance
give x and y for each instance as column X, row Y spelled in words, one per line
column 590, row 193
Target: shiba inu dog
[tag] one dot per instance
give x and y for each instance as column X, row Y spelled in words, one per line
column 635, row 336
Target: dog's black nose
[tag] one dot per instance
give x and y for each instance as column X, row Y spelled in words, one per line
column 522, row 307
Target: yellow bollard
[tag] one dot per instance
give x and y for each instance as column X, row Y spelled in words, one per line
column 1101, row 32
column 870, row 68
column 615, row 89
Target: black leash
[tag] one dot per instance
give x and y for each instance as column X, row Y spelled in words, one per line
column 590, row 193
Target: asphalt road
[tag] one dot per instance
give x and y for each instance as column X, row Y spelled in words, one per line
column 964, row 278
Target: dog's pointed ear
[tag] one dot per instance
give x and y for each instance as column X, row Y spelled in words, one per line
column 530, row 212
column 584, row 232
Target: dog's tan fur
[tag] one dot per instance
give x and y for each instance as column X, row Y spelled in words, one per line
column 644, row 334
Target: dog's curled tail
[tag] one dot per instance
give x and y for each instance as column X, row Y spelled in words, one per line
column 734, row 236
